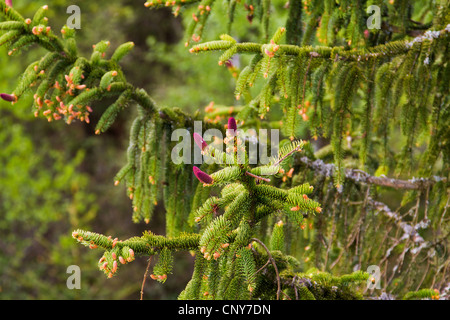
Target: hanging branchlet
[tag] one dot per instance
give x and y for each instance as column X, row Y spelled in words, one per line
column 67, row 84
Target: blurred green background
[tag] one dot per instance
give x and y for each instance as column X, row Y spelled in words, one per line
column 55, row 178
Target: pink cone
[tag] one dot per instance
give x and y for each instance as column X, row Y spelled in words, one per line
column 232, row 126
column 199, row 141
column 8, row 97
column 201, row 176
column 8, row 3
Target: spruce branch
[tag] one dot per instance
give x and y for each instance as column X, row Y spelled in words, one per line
column 360, row 176
column 120, row 252
column 390, row 49
column 72, row 93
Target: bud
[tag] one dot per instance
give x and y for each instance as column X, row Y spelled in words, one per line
column 163, row 277
column 8, row 97
column 199, row 141
column 202, row 176
column 232, row 127
column 8, row 3
column 290, row 172
column 269, row 53
column 122, row 260
column 114, row 268
column 113, row 255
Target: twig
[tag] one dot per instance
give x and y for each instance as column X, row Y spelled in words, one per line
column 363, row 177
column 286, row 295
column 274, row 265
column 145, row 277
column 256, row 177
column 287, row 155
column 268, row 261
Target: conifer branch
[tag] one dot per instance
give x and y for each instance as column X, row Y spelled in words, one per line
column 392, row 49
column 359, row 176
column 63, row 56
